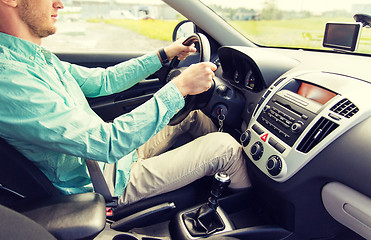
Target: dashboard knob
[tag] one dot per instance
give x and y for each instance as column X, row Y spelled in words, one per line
column 257, row 150
column 266, row 108
column 245, row 138
column 274, row 165
column 296, row 127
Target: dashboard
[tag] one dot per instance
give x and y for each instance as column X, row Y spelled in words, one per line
column 302, row 131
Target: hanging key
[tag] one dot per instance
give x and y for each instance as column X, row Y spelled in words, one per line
column 221, row 118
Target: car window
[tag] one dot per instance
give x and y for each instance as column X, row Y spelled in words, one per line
column 113, row 26
column 291, row 23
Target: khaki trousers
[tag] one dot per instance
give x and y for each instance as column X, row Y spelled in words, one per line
column 159, row 171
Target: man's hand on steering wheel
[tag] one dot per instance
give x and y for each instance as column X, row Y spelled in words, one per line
column 178, row 49
column 195, row 79
column 195, row 82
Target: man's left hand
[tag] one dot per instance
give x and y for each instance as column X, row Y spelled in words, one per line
column 177, row 49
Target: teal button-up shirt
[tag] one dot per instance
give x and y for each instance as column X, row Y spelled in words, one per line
column 44, row 113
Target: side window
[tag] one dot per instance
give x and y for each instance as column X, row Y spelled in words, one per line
column 113, row 26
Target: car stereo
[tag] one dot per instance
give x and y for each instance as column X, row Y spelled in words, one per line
column 291, row 119
column 291, row 110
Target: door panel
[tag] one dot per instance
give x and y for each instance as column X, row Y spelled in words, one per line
column 110, row 107
column 97, row 59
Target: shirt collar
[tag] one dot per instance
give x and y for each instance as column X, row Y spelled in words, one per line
column 23, row 47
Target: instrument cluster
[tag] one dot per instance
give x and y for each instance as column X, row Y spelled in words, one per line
column 242, row 74
column 246, row 79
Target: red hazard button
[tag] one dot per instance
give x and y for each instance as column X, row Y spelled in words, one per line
column 264, row 137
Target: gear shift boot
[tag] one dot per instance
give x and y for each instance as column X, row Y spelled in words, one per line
column 203, row 221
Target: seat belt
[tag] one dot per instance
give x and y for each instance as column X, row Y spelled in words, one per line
column 99, row 183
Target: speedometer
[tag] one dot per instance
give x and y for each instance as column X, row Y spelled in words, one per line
column 236, row 76
column 250, row 80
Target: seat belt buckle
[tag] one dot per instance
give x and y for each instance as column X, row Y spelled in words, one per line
column 111, row 205
column 114, row 203
column 109, row 212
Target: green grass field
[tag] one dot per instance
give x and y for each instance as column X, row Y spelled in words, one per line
column 302, row 33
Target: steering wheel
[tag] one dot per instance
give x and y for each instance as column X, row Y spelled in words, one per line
column 191, row 101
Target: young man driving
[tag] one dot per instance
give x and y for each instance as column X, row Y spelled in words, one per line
column 45, row 115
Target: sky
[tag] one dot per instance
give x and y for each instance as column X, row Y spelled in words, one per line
column 311, row 5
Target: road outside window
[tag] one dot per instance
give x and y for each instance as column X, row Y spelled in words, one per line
column 114, row 26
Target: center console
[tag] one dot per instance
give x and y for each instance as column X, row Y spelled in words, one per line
column 296, row 118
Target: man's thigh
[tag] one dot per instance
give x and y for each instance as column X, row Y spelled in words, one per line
column 196, row 124
column 179, row 167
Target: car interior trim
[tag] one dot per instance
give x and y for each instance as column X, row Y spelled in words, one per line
column 348, row 206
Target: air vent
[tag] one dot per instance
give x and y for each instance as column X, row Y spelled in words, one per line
column 345, row 108
column 278, row 82
column 318, row 132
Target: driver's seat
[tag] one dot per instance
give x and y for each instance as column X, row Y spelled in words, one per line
column 22, row 184
column 20, row 179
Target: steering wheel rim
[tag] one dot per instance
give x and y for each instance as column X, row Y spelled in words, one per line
column 190, row 100
column 205, row 52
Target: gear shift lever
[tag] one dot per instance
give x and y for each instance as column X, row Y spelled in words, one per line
column 205, row 219
column 220, row 182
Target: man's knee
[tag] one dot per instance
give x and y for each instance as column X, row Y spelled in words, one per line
column 225, row 153
column 224, row 146
column 223, row 140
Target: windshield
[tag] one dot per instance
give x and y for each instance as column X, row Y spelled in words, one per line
column 291, row 23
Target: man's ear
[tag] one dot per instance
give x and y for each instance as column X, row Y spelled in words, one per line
column 10, row 3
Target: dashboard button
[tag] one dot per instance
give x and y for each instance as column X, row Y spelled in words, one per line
column 267, row 108
column 305, row 117
column 296, row 127
column 264, row 137
column 272, row 142
column 280, row 148
column 257, row 129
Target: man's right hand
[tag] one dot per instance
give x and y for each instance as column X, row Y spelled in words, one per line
column 195, row 79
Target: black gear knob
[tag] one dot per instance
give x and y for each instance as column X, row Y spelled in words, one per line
column 220, row 182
